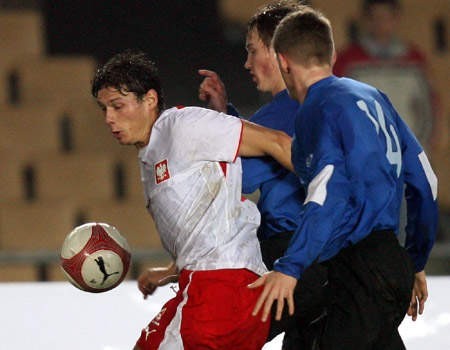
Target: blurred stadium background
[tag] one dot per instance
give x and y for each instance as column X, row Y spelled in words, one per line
column 59, row 165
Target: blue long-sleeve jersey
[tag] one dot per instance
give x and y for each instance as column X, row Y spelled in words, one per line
column 281, row 195
column 355, row 154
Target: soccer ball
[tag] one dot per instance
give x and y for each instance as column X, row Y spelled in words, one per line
column 95, row 257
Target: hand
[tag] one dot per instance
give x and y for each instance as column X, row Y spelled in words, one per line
column 277, row 286
column 419, row 295
column 155, row 277
column 212, row 91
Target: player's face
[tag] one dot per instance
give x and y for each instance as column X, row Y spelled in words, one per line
column 262, row 64
column 129, row 119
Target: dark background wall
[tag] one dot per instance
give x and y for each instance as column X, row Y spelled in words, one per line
column 181, row 36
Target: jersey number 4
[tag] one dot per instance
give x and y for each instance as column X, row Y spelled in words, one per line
column 394, row 156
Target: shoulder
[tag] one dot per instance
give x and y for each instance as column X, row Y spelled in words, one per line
column 184, row 115
column 337, row 100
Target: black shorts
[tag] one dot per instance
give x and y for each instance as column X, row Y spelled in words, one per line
column 369, row 290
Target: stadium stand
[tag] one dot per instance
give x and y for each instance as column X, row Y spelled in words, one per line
column 59, row 165
column 36, row 226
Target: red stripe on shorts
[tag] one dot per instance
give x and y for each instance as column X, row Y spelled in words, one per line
column 152, row 335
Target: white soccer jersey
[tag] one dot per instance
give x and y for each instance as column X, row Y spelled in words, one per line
column 192, row 182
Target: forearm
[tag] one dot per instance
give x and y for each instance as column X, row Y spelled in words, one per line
column 281, row 150
column 261, row 141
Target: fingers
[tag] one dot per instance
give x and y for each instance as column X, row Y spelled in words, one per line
column 207, row 90
column 212, row 84
column 290, row 301
column 277, row 286
column 150, row 279
column 412, row 310
column 421, row 306
column 202, row 95
column 208, row 73
column 212, row 91
column 422, row 299
column 146, row 289
column 266, row 300
column 258, row 283
column 419, row 296
column 280, row 306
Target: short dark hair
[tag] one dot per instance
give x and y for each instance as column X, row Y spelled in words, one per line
column 129, row 71
column 306, row 36
column 367, row 4
column 267, row 17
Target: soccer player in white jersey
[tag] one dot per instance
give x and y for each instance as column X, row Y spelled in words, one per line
column 191, row 174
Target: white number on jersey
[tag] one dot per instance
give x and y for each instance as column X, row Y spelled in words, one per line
column 394, row 157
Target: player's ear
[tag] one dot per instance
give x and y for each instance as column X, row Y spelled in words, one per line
column 151, row 97
column 283, row 63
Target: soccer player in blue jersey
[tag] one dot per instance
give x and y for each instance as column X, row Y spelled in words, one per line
column 281, row 194
column 354, row 154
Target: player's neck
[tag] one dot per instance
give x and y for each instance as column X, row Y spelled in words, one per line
column 309, row 76
column 278, row 86
column 147, row 130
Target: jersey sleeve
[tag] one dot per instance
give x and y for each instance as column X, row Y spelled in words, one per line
column 421, row 198
column 325, row 207
column 206, row 135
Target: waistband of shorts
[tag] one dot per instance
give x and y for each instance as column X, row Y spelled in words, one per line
column 378, row 236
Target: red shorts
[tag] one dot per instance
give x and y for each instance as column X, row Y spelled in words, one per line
column 212, row 310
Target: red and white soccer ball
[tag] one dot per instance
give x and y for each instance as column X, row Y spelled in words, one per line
column 95, row 257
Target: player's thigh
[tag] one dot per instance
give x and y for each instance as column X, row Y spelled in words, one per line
column 353, row 319
column 369, row 290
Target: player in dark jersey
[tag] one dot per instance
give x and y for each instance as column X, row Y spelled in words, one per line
column 354, row 154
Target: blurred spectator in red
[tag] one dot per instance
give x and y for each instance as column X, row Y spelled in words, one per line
column 380, row 58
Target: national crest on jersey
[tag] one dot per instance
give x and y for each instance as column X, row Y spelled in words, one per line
column 161, row 171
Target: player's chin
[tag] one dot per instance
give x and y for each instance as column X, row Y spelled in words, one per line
column 125, row 142
column 259, row 87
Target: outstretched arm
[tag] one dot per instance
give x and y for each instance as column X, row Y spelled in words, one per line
column 258, row 140
column 155, row 277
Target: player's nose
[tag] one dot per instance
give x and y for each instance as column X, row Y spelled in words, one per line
column 247, row 64
column 109, row 116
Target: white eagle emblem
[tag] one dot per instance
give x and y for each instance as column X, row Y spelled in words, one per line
column 161, row 171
